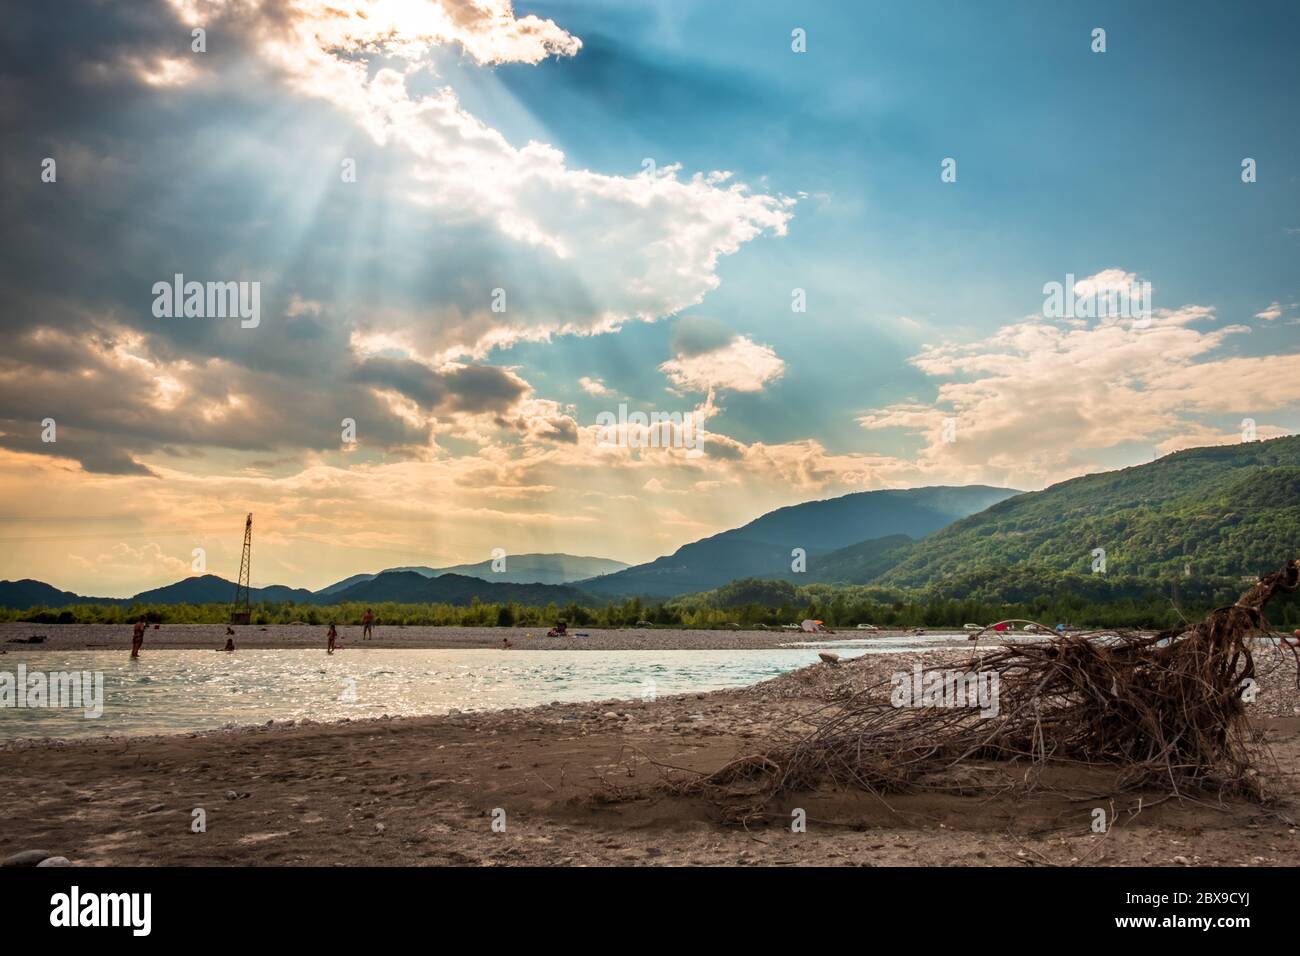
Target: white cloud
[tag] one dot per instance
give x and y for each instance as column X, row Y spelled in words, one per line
column 741, row 365
column 594, row 386
column 487, row 30
column 1274, row 311
column 1038, row 401
column 1108, row 280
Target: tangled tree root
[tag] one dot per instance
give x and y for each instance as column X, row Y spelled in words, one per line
column 1164, row 711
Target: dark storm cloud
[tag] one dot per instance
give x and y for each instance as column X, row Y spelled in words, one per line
column 471, row 389
column 94, row 452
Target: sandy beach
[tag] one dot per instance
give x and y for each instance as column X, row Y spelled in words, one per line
column 577, row 784
column 204, row 636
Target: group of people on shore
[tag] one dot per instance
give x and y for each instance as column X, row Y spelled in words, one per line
column 331, row 636
column 367, row 631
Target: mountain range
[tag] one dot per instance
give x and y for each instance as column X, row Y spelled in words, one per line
column 528, row 579
column 1216, row 512
column 407, row 587
column 201, row 589
column 763, row 548
column 519, row 569
column 413, row 587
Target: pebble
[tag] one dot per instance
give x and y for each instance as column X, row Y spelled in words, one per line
column 156, row 807
column 55, row 861
column 26, row 858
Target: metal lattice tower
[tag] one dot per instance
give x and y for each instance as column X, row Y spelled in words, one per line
column 240, row 612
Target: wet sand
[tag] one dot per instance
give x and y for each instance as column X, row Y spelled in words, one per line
column 426, row 791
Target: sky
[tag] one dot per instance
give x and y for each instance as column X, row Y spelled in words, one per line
column 468, row 232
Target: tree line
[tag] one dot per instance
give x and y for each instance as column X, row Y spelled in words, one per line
column 1061, row 600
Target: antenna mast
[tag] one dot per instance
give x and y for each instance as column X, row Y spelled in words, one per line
column 240, row 612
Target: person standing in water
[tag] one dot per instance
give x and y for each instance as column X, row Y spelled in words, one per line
column 367, row 625
column 137, row 637
column 333, row 636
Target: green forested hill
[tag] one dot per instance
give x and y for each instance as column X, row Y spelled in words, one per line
column 1215, row 512
column 859, row 563
column 763, row 547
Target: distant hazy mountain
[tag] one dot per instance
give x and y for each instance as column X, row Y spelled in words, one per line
column 520, row 569
column 1222, row 511
column 345, row 583
column 411, row 587
column 762, row 548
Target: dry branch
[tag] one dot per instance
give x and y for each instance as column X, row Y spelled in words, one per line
column 1164, row 710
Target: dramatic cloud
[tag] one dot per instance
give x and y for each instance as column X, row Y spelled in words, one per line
column 488, row 30
column 1038, row 401
column 628, row 247
column 362, row 161
column 380, row 298
column 114, row 396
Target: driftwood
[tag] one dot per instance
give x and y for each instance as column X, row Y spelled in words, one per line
column 1165, row 711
